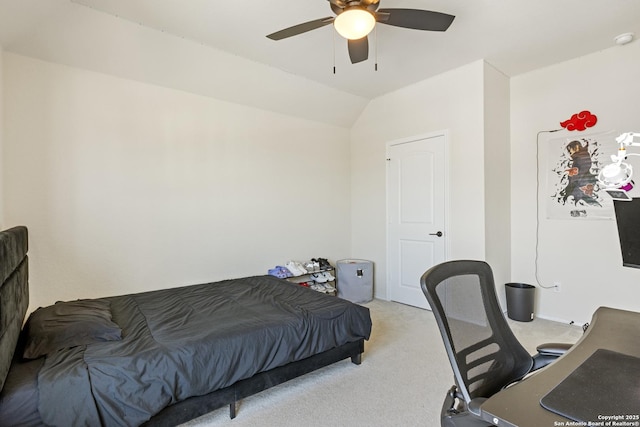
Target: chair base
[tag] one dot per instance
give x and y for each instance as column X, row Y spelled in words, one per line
column 455, row 413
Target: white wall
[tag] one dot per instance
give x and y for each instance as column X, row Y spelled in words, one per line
column 583, row 255
column 127, row 186
column 78, row 36
column 453, row 102
column 497, row 169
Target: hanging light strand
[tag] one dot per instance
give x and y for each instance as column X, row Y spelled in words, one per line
column 375, row 36
column 333, row 45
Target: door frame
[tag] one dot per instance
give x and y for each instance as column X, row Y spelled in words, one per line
column 447, row 178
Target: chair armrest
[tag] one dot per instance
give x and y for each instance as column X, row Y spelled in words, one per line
column 547, row 353
column 553, row 349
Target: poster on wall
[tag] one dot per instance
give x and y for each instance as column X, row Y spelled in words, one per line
column 572, row 186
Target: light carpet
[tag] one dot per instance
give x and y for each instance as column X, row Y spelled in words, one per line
column 402, row 380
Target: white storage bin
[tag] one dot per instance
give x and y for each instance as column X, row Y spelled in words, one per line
column 355, row 280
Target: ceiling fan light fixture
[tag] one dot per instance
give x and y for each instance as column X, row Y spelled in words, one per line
column 354, row 23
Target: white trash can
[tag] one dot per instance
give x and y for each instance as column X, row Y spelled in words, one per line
column 355, row 280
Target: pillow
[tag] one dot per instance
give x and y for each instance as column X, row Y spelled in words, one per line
column 69, row 324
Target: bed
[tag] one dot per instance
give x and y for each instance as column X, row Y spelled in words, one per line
column 161, row 357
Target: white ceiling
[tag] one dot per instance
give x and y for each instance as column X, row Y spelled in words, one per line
column 514, row 36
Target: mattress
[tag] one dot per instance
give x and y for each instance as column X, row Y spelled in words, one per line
column 182, row 342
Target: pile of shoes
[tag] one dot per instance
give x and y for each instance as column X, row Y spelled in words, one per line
column 296, row 268
column 324, row 264
column 324, row 282
column 280, row 272
column 314, row 274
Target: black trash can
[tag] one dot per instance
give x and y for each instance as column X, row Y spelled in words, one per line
column 520, row 298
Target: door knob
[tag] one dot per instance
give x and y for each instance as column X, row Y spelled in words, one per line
column 439, row 234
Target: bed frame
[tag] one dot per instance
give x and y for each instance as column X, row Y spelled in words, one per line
column 14, row 300
column 195, row 407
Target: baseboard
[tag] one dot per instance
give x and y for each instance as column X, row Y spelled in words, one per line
column 558, row 320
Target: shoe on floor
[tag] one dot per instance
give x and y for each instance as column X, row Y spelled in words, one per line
column 295, row 268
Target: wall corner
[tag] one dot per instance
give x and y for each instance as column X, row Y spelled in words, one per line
column 497, row 166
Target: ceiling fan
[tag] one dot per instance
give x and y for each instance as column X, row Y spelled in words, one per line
column 355, row 19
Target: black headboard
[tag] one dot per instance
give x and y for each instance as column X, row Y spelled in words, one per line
column 14, row 292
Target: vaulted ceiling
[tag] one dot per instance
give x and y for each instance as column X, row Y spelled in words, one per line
column 218, row 48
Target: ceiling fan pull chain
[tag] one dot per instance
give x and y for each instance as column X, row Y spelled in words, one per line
column 375, row 36
column 334, row 50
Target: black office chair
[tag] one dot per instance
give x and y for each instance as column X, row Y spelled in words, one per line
column 484, row 353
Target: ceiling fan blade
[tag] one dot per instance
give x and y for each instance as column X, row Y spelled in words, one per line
column 358, row 50
column 300, row 28
column 416, row 19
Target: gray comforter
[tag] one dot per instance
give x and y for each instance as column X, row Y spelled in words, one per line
column 189, row 341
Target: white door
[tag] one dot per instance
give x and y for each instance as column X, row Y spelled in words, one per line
column 416, row 209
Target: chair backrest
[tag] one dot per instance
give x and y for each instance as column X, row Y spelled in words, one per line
column 484, row 353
